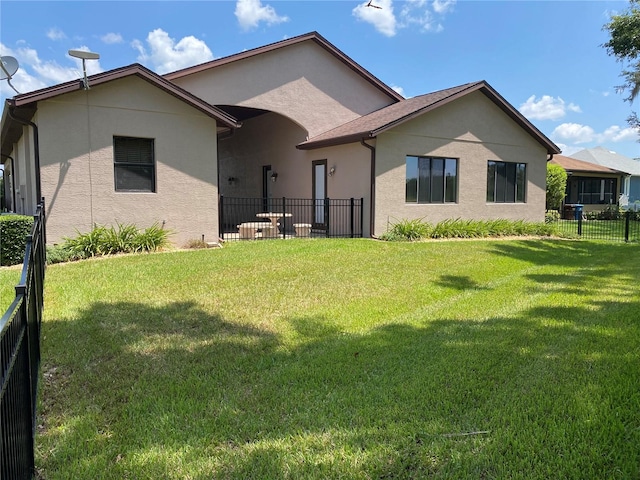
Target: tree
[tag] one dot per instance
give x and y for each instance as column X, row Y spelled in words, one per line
column 624, row 45
column 556, row 186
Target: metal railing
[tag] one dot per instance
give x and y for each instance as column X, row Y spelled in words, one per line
column 20, row 356
column 299, row 217
column 621, row 227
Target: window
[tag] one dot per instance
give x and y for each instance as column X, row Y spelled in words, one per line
column 592, row 190
column 506, row 182
column 431, row 180
column 133, row 164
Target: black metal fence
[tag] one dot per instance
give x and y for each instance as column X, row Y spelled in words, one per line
column 250, row 218
column 20, row 356
column 622, row 227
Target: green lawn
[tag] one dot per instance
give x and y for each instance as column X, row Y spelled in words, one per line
column 349, row 359
column 9, row 278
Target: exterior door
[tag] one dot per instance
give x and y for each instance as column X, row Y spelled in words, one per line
column 319, row 193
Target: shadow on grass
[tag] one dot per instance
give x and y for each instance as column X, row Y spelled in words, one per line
column 137, row 391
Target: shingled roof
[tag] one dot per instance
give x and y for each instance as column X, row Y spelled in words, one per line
column 371, row 125
column 575, row 165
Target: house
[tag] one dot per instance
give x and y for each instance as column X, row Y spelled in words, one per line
column 142, row 148
column 630, row 188
column 594, row 186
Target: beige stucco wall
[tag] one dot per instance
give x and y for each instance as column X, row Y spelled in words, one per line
column 23, row 174
column 76, row 155
column 303, row 82
column 473, row 130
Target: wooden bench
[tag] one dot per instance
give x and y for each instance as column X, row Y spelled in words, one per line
column 248, row 230
column 302, row 229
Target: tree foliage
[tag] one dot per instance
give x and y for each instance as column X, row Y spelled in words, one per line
column 624, row 45
column 556, row 186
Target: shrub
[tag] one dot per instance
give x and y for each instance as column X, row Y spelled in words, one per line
column 458, row 228
column 551, row 216
column 14, row 230
column 556, row 186
column 152, row 239
column 611, row 212
column 59, row 254
column 104, row 240
column 196, row 243
column 408, row 230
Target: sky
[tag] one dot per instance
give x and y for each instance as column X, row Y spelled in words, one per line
column 544, row 57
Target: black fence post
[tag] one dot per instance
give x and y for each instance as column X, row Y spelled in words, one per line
column 221, row 217
column 627, row 223
column 284, row 217
column 579, row 225
column 326, row 215
column 351, row 212
column 362, row 219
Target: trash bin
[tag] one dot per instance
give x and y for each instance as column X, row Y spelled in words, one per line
column 568, row 212
column 578, row 211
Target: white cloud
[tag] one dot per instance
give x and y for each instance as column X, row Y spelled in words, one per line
column 399, row 90
column 56, row 34
column 574, row 133
column 422, row 15
column 166, row 55
column 35, row 73
column 547, row 108
column 443, row 6
column 112, row 38
column 381, row 18
column 577, row 134
column 251, row 12
column 617, row 134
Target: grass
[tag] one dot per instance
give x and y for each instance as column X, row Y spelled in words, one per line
column 344, row 359
column 9, row 278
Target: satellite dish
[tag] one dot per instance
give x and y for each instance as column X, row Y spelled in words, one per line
column 9, row 67
column 84, row 56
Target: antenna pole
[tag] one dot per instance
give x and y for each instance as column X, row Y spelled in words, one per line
column 85, row 80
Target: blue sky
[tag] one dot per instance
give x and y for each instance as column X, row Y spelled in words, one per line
column 544, row 57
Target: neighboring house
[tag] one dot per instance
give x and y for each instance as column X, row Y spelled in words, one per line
column 630, row 189
column 589, row 184
column 142, row 148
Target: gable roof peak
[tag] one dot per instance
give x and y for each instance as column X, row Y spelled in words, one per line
column 305, row 37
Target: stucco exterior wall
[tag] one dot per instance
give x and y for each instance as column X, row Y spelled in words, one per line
column 76, row 155
column 303, row 82
column 23, row 176
column 474, row 131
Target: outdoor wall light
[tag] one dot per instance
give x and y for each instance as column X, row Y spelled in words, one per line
column 232, row 180
column 274, row 177
column 332, row 170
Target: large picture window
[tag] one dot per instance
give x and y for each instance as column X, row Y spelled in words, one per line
column 506, row 182
column 431, row 180
column 134, row 165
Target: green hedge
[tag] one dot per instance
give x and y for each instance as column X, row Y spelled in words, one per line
column 13, row 238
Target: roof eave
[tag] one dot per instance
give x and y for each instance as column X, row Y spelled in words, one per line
column 137, row 70
column 332, row 142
